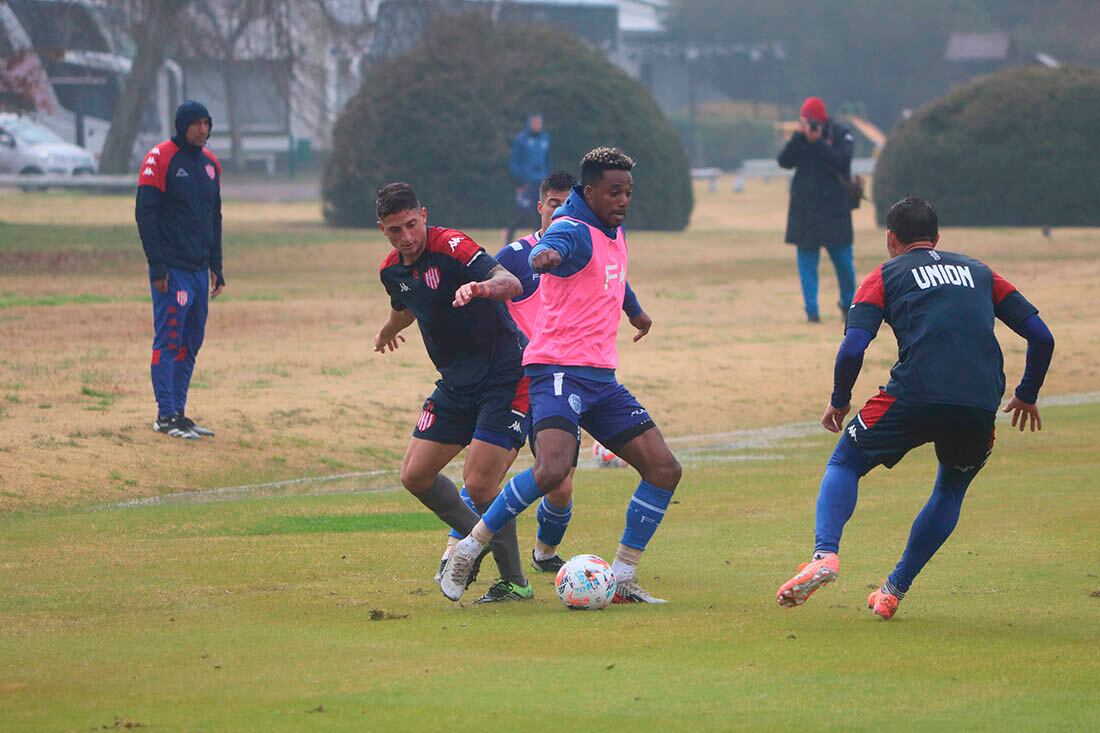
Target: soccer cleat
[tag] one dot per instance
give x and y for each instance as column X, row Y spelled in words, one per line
column 551, row 564
column 194, row 428
column 473, row 573
column 628, row 591
column 457, row 571
column 502, row 590
column 883, row 604
column 811, row 576
column 172, row 426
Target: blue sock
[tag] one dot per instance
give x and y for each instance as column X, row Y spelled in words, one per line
column 644, row 514
column 517, row 495
column 932, row 526
column 553, row 522
column 836, row 500
column 465, row 495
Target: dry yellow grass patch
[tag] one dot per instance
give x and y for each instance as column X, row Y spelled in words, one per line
column 289, row 380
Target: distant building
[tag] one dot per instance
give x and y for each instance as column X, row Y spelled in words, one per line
column 970, row 54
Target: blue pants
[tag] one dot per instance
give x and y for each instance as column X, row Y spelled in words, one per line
column 179, row 324
column 808, row 258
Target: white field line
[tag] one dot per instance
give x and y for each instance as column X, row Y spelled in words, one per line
column 690, row 449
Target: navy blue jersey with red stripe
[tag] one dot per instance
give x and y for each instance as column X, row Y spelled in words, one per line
column 941, row 306
column 179, row 208
column 467, row 345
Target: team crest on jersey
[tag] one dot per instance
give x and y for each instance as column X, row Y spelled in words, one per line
column 432, row 278
column 210, row 171
column 427, row 417
column 575, row 403
column 181, row 297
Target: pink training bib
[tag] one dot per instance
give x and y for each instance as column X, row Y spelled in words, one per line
column 578, row 323
column 526, row 311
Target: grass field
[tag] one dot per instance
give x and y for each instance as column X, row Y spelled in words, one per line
column 310, row 605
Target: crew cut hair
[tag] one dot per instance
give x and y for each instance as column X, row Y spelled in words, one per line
column 596, row 161
column 557, row 181
column 394, row 198
column 913, row 220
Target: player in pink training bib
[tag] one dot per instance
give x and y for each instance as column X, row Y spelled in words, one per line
column 583, row 260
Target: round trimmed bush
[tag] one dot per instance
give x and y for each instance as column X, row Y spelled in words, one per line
column 1011, row 149
column 442, row 117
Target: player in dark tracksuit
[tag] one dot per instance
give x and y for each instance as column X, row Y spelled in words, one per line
column 454, row 290
column 179, row 218
column 944, row 389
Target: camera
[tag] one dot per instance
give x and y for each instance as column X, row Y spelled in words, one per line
column 814, row 125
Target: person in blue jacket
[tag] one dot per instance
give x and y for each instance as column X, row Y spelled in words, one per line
column 179, row 219
column 529, row 164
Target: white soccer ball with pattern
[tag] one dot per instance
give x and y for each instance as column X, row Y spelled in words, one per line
column 585, row 583
column 605, row 458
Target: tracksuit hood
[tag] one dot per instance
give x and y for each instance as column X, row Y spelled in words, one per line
column 187, row 113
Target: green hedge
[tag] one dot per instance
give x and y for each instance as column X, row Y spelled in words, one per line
column 442, row 118
column 1017, row 148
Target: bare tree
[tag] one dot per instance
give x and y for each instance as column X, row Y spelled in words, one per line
column 153, row 23
column 241, row 29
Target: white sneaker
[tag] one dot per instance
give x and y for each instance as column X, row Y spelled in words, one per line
column 456, row 571
column 627, row 590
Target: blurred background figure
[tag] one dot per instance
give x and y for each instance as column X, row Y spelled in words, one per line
column 819, row 214
column 529, row 164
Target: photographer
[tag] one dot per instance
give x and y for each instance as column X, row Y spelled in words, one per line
column 820, row 213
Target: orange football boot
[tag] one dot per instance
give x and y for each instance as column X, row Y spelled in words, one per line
column 811, row 576
column 882, row 604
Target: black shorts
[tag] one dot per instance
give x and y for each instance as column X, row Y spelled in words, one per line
column 499, row 414
column 576, row 453
column 887, row 428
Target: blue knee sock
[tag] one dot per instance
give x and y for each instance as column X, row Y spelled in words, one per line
column 644, row 514
column 553, row 522
column 836, row 500
column 518, row 494
column 932, row 526
column 465, row 495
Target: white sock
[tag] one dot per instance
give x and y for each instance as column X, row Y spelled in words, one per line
column 625, row 565
column 451, row 542
column 541, row 554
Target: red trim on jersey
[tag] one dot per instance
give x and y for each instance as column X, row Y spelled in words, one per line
column 181, row 354
column 154, row 166
column 871, row 290
column 217, row 164
column 1001, row 288
column 391, row 259
column 875, row 408
column 452, row 243
column 522, row 401
column 156, row 357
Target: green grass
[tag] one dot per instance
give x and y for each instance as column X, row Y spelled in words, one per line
column 297, row 611
column 14, row 300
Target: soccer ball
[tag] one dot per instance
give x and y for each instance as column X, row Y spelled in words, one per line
column 605, row 458
column 585, row 582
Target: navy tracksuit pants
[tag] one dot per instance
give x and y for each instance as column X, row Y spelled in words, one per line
column 179, row 324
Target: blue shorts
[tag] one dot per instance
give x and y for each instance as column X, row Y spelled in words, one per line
column 497, row 414
column 606, row 410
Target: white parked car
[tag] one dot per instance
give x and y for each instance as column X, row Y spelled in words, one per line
column 28, row 148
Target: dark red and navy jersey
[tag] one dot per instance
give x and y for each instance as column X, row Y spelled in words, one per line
column 941, row 306
column 468, row 344
column 179, row 208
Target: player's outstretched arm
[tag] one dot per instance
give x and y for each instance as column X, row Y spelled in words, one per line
column 500, row 285
column 1040, row 349
column 389, row 336
column 849, row 361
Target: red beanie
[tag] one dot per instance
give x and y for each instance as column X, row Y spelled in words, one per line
column 814, row 109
